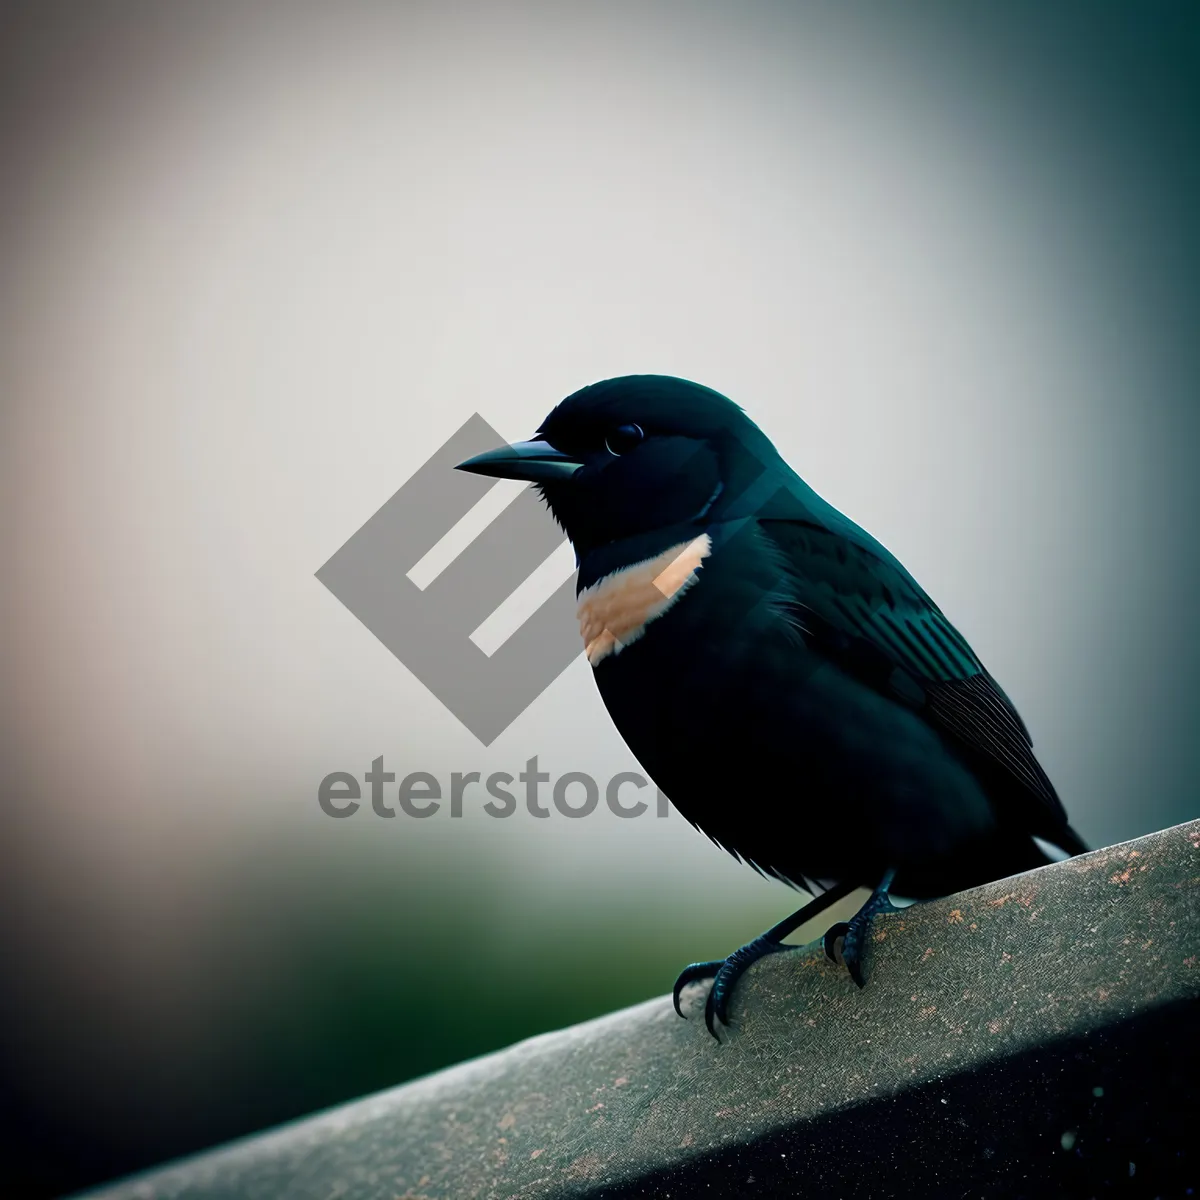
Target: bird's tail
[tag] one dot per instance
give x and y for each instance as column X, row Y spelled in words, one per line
column 1066, row 843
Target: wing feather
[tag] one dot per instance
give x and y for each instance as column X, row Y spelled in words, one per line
column 854, row 602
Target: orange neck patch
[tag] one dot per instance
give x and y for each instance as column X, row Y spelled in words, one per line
column 615, row 610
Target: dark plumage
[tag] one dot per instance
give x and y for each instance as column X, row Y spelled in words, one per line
column 798, row 697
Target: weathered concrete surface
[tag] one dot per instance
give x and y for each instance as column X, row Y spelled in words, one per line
column 1037, row 1036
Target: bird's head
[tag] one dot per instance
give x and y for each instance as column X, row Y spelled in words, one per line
column 635, row 454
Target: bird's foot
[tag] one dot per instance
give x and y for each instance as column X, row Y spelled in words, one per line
column 724, row 974
column 854, row 932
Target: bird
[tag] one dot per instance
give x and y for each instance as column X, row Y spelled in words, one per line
column 776, row 671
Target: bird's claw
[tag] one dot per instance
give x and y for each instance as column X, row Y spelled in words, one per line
column 854, row 934
column 833, row 951
column 689, row 974
column 724, row 975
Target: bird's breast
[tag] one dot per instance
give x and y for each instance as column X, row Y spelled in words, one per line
column 615, row 611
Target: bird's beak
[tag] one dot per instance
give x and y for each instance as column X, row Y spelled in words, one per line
column 537, row 462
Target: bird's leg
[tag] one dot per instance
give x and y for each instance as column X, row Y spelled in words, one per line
column 726, row 972
column 854, row 932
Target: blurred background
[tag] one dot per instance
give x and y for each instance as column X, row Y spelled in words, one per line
column 257, row 262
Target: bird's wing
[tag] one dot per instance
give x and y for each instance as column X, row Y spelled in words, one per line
column 855, row 603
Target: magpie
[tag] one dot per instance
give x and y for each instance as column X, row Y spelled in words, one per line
column 777, row 672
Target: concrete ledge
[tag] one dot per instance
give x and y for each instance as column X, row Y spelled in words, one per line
column 1037, row 1036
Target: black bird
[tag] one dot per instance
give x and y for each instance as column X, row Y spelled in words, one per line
column 777, row 672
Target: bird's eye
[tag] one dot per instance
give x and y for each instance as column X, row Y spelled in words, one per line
column 623, row 438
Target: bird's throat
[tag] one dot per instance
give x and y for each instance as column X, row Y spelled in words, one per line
column 616, row 610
